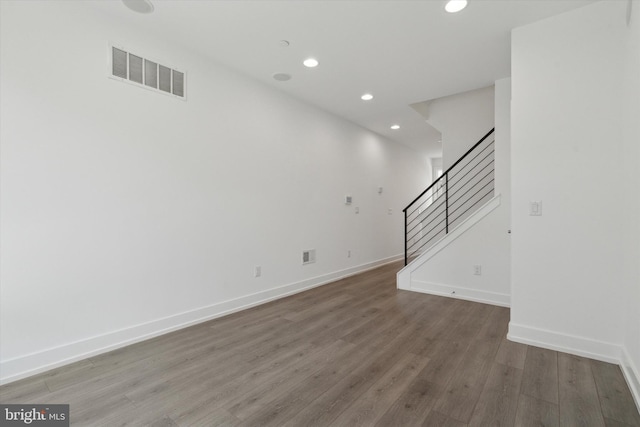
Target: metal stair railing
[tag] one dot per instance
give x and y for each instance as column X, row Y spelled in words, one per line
column 463, row 188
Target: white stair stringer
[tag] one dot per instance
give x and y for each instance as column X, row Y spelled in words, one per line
column 406, row 281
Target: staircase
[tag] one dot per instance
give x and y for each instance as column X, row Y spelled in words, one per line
column 460, row 191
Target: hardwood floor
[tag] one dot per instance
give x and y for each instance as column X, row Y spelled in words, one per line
column 356, row 352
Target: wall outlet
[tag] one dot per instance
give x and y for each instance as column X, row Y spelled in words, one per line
column 349, row 254
column 357, row 210
column 390, row 212
column 257, row 271
column 477, row 270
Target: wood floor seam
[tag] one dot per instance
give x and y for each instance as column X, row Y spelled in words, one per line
column 355, row 352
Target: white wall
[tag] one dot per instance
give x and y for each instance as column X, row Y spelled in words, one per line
column 462, row 119
column 448, row 269
column 126, row 213
column 503, row 141
column 568, row 281
column 631, row 187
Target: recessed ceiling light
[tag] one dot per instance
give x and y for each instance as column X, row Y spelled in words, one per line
column 282, row 77
column 366, row 97
column 454, row 6
column 310, row 62
column 284, row 43
column 395, row 127
column 140, row 6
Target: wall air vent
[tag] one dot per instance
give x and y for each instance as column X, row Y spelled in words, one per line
column 143, row 72
column 308, row 256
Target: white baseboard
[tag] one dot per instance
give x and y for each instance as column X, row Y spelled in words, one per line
column 476, row 295
column 631, row 375
column 35, row 363
column 580, row 346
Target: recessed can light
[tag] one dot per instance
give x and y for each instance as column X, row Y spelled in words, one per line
column 366, row 97
column 395, row 127
column 310, row 62
column 284, row 43
column 454, row 6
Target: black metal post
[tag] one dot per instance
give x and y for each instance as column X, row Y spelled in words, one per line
column 405, row 239
column 446, row 201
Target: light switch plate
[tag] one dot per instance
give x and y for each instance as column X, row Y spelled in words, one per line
column 535, row 208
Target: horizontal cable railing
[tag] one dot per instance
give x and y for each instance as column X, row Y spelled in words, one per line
column 455, row 195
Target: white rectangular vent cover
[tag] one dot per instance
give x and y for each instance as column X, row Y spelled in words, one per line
column 308, row 256
column 128, row 67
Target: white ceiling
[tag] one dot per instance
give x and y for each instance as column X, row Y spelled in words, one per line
column 403, row 52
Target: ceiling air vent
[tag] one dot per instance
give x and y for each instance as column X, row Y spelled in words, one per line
column 131, row 68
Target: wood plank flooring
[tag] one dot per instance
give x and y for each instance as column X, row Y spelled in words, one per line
column 356, row 352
